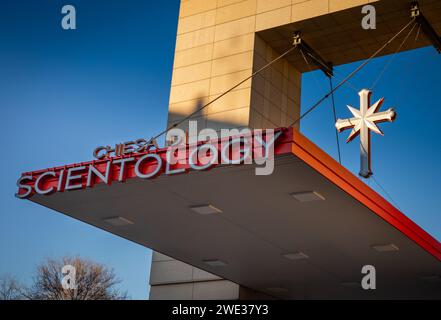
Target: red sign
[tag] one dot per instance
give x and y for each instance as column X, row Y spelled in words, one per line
column 254, row 148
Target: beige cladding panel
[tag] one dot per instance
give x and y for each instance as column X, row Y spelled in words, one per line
column 191, row 73
column 197, row 22
column 232, row 64
column 265, row 5
column 236, row 11
column 215, row 50
column 233, row 45
column 221, row 84
column 235, row 28
column 191, row 7
column 337, row 5
column 198, row 290
column 195, row 38
column 189, row 91
column 269, row 19
column 179, row 291
column 309, row 9
column 235, row 100
column 193, row 55
column 237, row 118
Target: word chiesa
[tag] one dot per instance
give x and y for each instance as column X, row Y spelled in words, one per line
column 178, row 158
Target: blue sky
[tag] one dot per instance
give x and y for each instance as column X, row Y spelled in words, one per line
column 62, row 93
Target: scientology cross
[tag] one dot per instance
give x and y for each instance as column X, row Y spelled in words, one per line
column 363, row 121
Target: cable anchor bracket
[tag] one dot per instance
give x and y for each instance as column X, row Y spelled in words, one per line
column 425, row 25
column 313, row 56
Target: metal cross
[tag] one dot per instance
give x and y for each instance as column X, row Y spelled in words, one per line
column 363, row 121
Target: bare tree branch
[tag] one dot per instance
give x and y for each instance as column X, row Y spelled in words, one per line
column 93, row 281
column 10, row 288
